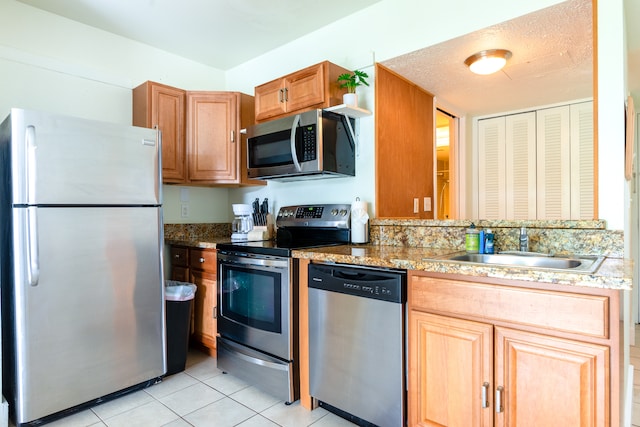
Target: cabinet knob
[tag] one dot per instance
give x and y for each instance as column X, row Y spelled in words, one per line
column 177, row 256
column 201, row 260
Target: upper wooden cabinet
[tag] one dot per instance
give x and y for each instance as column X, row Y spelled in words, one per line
column 201, row 140
column 164, row 107
column 312, row 87
column 216, row 149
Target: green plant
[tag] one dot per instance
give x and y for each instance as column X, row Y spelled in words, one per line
column 353, row 80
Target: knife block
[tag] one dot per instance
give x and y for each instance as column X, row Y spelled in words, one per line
column 263, row 232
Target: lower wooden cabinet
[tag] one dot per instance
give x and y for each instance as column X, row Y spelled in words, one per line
column 198, row 266
column 465, row 372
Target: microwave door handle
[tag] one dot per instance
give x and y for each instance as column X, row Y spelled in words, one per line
column 294, row 155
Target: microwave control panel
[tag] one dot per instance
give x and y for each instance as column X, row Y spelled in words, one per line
column 307, row 148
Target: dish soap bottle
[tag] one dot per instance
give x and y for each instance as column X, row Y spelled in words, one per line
column 472, row 240
column 488, row 242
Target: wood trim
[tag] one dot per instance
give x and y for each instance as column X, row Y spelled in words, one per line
column 306, row 400
column 594, row 14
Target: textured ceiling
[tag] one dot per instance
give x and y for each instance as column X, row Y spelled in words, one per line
column 218, row 33
column 552, row 62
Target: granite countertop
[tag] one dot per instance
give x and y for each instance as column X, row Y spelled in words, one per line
column 613, row 273
column 203, row 243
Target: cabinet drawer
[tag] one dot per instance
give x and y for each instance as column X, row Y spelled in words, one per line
column 203, row 259
column 561, row 311
column 179, row 256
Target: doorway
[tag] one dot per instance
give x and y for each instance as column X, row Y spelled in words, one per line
column 445, row 146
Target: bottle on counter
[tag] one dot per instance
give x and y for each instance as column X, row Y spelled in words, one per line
column 489, row 242
column 472, row 240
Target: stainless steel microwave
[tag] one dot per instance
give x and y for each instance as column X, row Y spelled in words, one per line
column 314, row 144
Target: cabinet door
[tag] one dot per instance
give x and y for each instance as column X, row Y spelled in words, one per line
column 270, row 100
column 550, row 381
column 520, row 166
column 204, row 328
column 554, row 160
column 582, row 162
column 305, row 88
column 450, row 369
column 212, row 135
column 163, row 106
column 491, row 168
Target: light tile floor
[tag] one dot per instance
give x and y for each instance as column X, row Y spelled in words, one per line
column 201, row 396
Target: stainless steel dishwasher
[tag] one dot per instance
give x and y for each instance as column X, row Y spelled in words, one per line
column 356, row 343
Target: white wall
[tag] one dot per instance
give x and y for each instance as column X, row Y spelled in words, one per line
column 54, row 64
column 51, row 63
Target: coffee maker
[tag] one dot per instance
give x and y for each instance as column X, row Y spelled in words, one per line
column 242, row 224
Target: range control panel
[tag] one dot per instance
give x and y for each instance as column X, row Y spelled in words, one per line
column 323, row 216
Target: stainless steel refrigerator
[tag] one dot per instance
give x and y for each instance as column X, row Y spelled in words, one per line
column 81, row 262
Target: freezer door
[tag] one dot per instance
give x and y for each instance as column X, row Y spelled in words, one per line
column 92, row 321
column 62, row 160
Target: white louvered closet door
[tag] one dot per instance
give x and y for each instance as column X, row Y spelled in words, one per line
column 582, row 161
column 491, row 168
column 520, row 166
column 554, row 163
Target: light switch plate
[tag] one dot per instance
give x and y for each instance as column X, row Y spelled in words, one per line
column 184, row 210
column 427, row 204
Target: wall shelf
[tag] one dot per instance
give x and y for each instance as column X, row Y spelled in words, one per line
column 349, row 110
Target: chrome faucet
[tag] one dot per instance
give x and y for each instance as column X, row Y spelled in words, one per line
column 524, row 240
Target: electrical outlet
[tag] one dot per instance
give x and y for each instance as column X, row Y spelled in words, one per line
column 416, row 205
column 184, row 210
column 427, row 204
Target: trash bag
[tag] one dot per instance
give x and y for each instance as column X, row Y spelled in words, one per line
column 179, row 291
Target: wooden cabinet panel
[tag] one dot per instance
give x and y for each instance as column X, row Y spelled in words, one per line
column 179, row 256
column 535, row 374
column 204, row 329
column 404, row 147
column 211, row 127
column 203, row 259
column 181, row 274
column 161, row 106
column 305, row 88
column 450, row 362
column 269, row 100
column 561, row 311
column 312, row 87
column 550, row 381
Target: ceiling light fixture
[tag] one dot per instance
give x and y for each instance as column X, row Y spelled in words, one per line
column 488, row 61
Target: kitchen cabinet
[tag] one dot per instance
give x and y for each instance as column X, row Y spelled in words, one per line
column 404, row 148
column 198, row 266
column 164, row 107
column 312, row 87
column 201, row 140
column 537, row 165
column 216, row 149
column 514, row 356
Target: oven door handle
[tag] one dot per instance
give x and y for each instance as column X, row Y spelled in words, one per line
column 253, row 360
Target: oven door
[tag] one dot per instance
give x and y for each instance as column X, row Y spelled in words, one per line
column 255, row 302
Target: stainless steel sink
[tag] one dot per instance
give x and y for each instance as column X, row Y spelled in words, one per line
column 582, row 264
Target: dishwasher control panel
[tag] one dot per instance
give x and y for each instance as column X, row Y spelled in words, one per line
column 382, row 284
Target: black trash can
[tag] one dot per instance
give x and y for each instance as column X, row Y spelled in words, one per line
column 178, row 304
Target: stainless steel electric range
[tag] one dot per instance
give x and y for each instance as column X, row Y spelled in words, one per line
column 258, row 297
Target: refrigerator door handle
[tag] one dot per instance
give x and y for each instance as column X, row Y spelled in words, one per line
column 30, row 166
column 33, row 261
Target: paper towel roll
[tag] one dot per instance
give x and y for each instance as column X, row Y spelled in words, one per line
column 359, row 222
